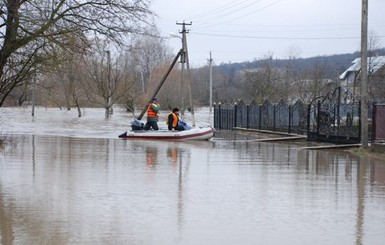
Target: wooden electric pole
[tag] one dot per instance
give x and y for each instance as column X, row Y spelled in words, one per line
column 364, row 74
column 185, row 59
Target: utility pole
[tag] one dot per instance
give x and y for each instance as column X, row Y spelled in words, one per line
column 108, row 82
column 364, row 74
column 211, row 82
column 182, row 62
column 33, row 94
column 185, row 59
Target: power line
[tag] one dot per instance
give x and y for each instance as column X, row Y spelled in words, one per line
column 252, row 12
column 233, row 11
column 277, row 38
column 257, row 29
column 240, row 16
column 218, row 9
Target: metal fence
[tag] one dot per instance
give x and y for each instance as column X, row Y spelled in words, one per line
column 224, row 116
column 334, row 117
column 280, row 117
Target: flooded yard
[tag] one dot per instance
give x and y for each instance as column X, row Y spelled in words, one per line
column 69, row 180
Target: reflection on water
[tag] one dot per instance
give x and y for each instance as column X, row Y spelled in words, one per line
column 231, row 190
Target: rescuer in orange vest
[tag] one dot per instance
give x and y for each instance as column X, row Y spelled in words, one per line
column 152, row 115
column 173, row 120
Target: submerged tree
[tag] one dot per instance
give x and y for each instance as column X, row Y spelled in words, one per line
column 31, row 31
column 109, row 78
column 263, row 83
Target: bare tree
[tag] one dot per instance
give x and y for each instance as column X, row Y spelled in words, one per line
column 149, row 53
column 171, row 92
column 375, row 73
column 290, row 74
column 133, row 81
column 315, row 79
column 201, row 86
column 31, row 31
column 70, row 77
column 108, row 79
column 262, row 83
column 374, row 44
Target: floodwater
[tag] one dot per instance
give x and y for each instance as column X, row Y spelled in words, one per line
column 69, row 180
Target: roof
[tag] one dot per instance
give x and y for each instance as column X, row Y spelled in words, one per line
column 374, row 63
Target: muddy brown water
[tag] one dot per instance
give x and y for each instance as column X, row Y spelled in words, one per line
column 69, row 180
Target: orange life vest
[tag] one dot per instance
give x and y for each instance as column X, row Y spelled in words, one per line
column 175, row 119
column 151, row 112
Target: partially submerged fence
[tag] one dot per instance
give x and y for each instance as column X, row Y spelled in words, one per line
column 335, row 118
column 274, row 117
column 331, row 118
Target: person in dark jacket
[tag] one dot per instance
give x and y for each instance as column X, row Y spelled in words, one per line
column 173, row 120
column 152, row 115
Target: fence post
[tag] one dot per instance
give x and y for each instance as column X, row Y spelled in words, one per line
column 215, row 120
column 235, row 114
column 219, row 116
column 338, row 113
column 260, row 117
column 247, row 116
column 274, row 117
column 308, row 119
column 318, row 116
column 290, row 119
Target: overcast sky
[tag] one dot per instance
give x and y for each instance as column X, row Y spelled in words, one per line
column 245, row 30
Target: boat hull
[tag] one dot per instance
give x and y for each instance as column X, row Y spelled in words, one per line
column 199, row 133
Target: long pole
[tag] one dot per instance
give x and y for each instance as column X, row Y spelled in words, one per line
column 160, row 84
column 182, row 62
column 364, row 74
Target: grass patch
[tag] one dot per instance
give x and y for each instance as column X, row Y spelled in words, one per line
column 373, row 152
